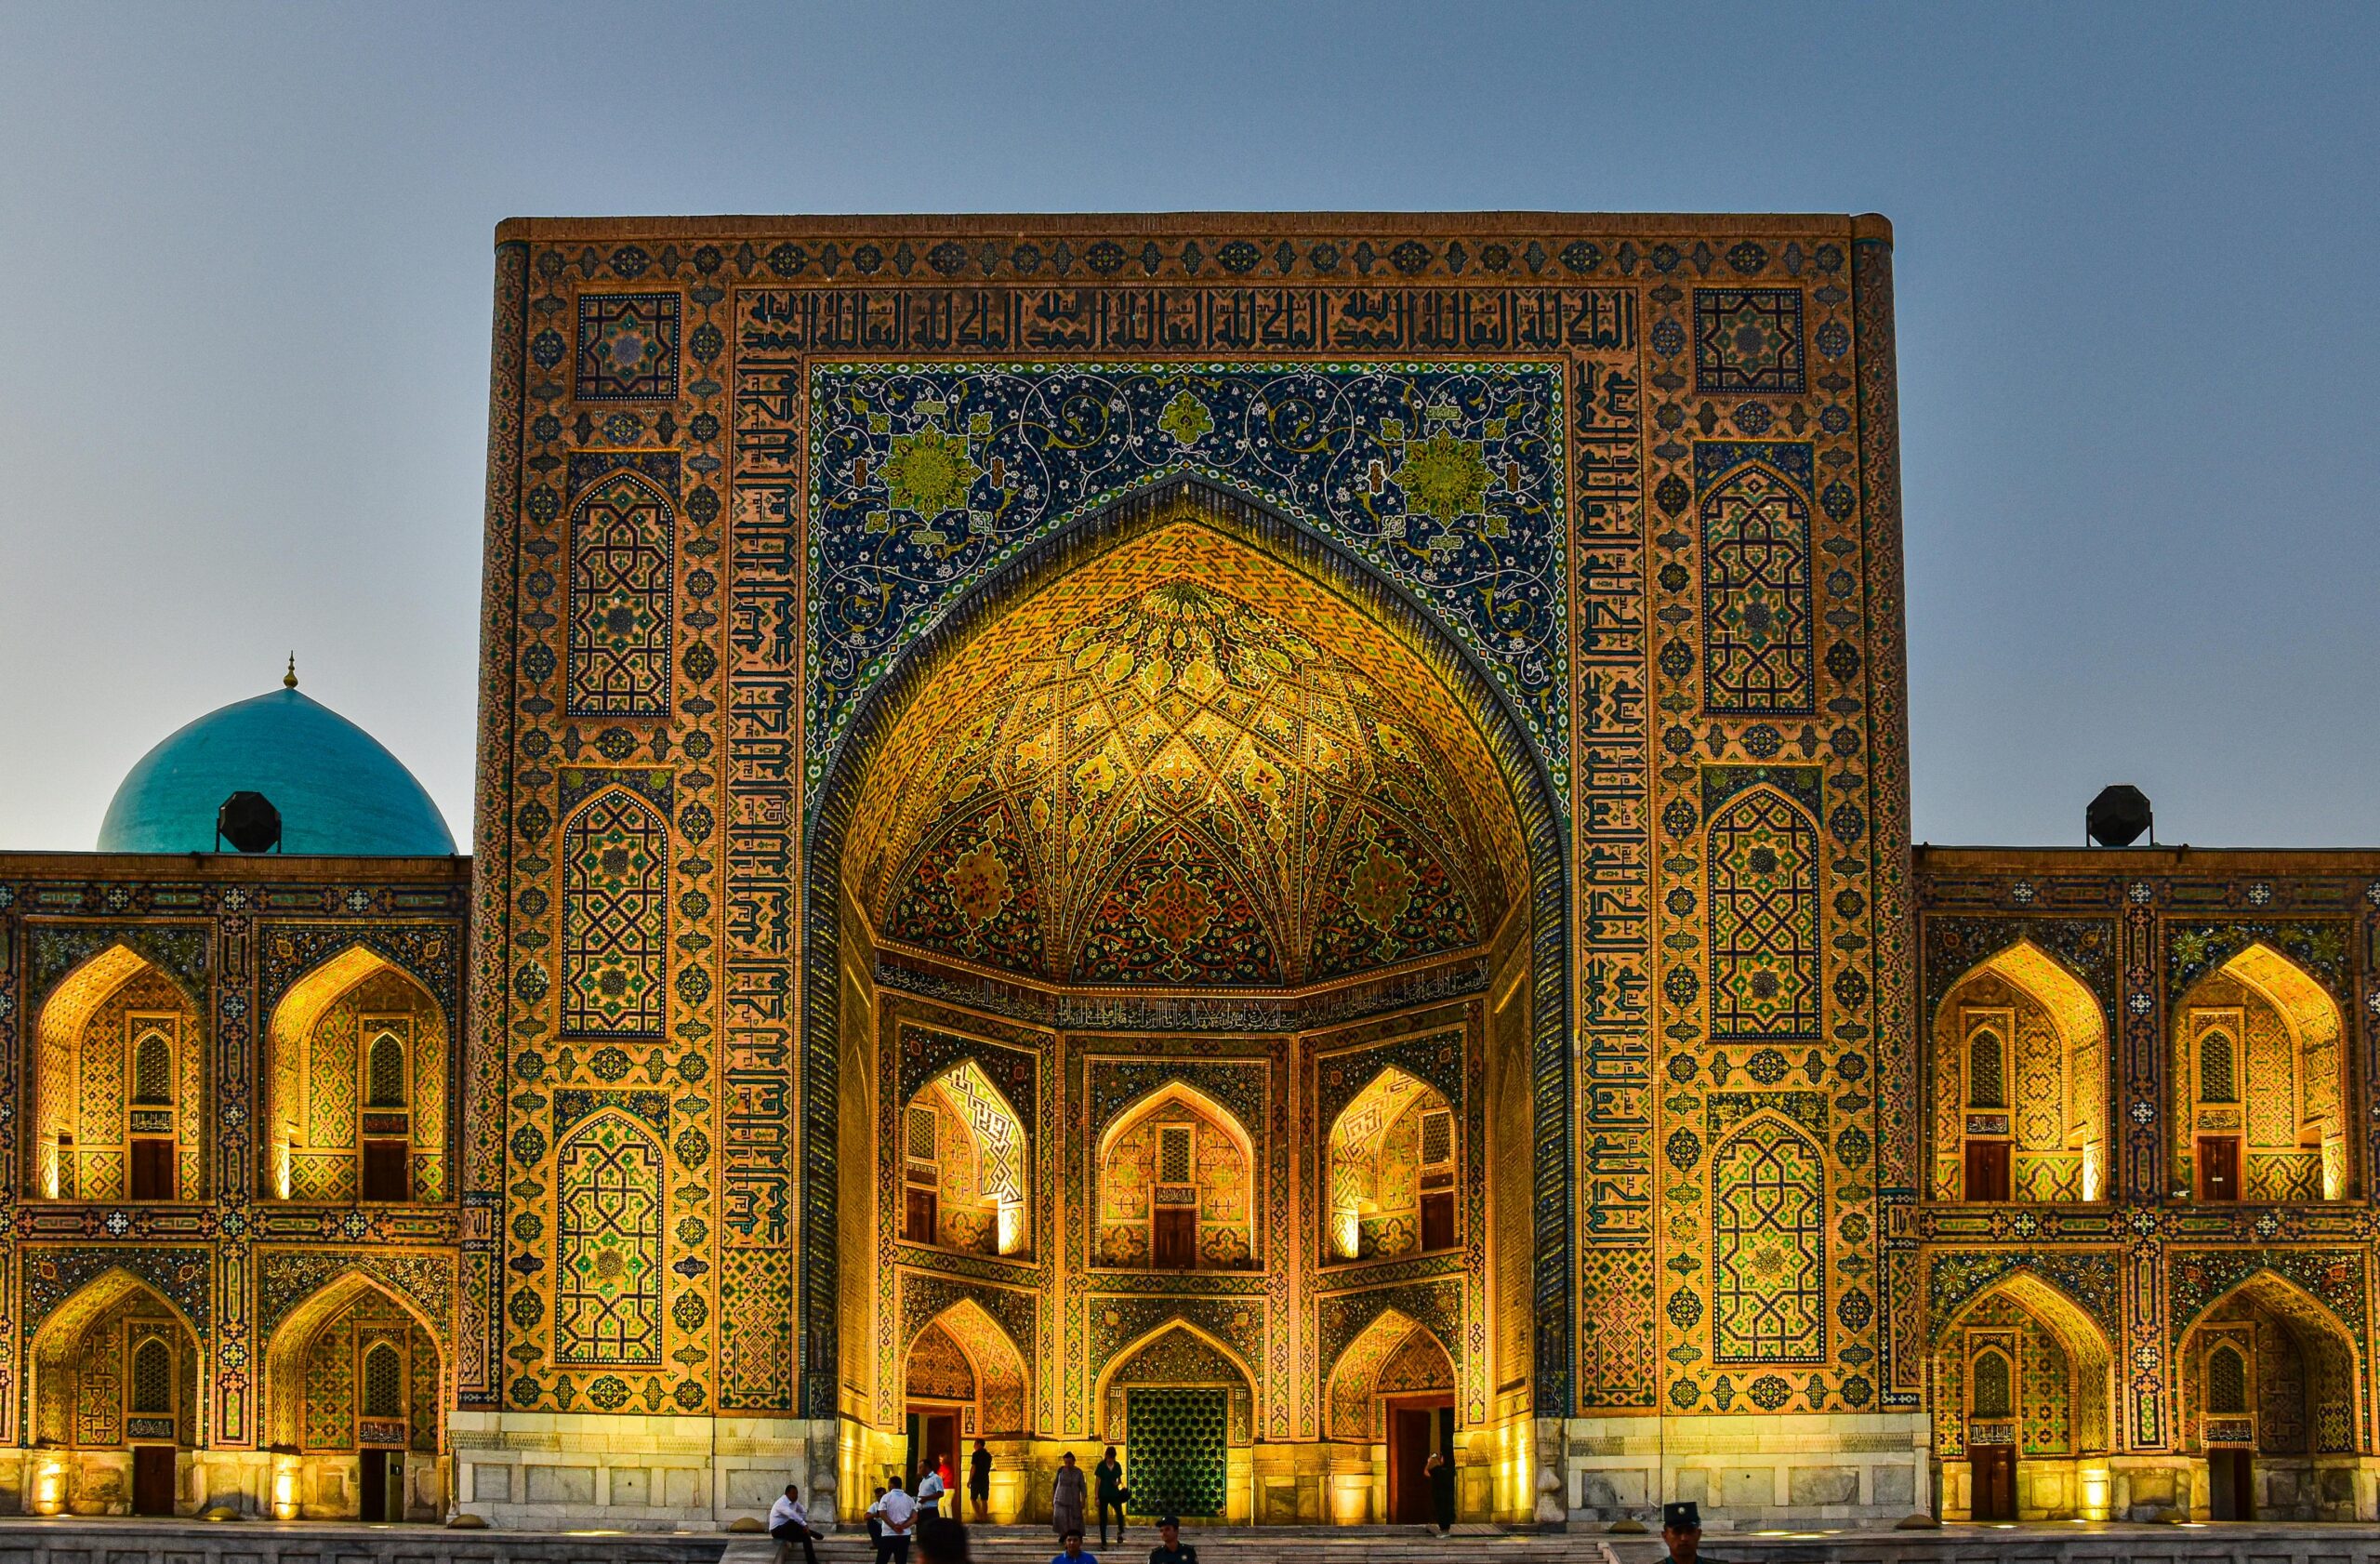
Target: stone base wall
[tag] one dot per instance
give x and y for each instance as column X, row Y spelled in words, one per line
column 1748, row 1471
column 565, row 1470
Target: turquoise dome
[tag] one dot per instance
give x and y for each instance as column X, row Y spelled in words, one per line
column 338, row 790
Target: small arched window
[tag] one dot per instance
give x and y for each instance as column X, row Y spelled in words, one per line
column 2218, row 1081
column 1992, row 1392
column 1987, row 1073
column 384, row 1072
column 2226, row 1381
column 384, row 1382
column 152, row 1378
column 153, row 1070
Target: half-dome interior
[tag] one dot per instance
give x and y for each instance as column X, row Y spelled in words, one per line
column 1183, row 763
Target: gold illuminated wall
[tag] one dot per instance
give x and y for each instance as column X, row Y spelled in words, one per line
column 1232, row 653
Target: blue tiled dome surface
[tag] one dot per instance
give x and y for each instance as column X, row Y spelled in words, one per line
column 339, row 790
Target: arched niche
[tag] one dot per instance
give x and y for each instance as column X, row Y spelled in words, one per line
column 120, row 1085
column 2300, row 1375
column 116, row 1367
column 1394, row 1158
column 875, row 833
column 356, row 1069
column 2053, row 1412
column 2259, row 1072
column 963, row 1360
column 1392, row 1357
column 967, row 1166
column 1176, row 1356
column 2019, row 1083
column 1177, row 1185
column 319, row 1397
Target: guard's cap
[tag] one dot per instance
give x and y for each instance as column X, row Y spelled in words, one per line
column 1683, row 1515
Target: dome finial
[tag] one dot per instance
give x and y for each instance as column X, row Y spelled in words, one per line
column 289, row 680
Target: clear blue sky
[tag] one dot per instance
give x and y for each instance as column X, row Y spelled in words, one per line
column 245, row 274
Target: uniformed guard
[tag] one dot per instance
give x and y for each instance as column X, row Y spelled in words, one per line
column 1681, row 1529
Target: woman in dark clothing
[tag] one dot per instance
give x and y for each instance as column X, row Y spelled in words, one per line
column 1441, row 1474
column 979, row 1482
column 1110, row 1474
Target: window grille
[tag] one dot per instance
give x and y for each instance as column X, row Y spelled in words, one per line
column 2217, row 1082
column 384, row 1072
column 1173, row 1154
column 2226, row 1381
column 384, row 1382
column 1987, row 1074
column 1991, row 1398
column 152, row 1378
column 152, row 1070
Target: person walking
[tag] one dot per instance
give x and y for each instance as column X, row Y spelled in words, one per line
column 899, row 1511
column 1066, row 1499
column 1440, row 1472
column 979, row 1482
column 1109, row 1475
column 931, row 1488
column 1171, row 1548
column 789, row 1523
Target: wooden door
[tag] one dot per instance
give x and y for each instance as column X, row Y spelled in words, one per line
column 384, row 1170
column 2219, row 1167
column 917, row 1213
column 2231, row 1492
column 1411, row 1435
column 1437, row 1220
column 1987, row 1170
column 152, row 1170
column 153, row 1479
column 375, row 1486
column 1175, row 1241
column 1994, row 1469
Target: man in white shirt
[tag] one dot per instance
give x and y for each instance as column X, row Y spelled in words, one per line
column 899, row 1514
column 789, row 1523
column 930, row 1491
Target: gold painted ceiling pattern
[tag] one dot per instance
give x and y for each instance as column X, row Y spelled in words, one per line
column 1185, row 763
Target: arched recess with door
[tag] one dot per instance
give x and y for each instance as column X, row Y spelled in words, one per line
column 966, row 1167
column 354, row 1399
column 965, row 1379
column 2019, row 1083
column 119, row 1085
column 1393, row 1392
column 1180, row 1407
column 2259, row 1073
column 115, row 1396
column 1177, row 1186
column 356, row 1073
column 2272, row 1404
column 1185, row 758
column 2023, row 1397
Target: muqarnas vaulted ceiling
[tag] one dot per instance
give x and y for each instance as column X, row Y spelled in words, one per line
column 1185, row 764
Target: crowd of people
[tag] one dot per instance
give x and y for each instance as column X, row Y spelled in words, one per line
column 900, row 1517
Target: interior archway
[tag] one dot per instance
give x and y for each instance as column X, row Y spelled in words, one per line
column 967, row 1166
column 1087, row 782
column 120, row 1105
column 1177, row 1185
column 352, row 1375
column 2259, row 1075
column 114, row 1368
column 1395, row 1165
column 355, row 1085
column 2056, row 1416
column 2270, row 1389
column 2021, row 1084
